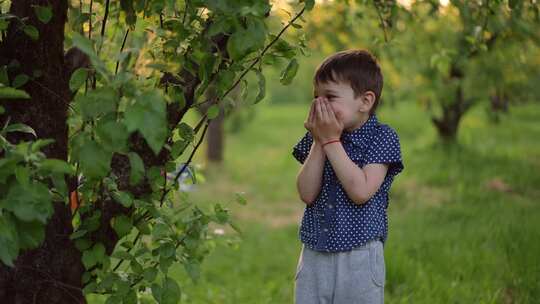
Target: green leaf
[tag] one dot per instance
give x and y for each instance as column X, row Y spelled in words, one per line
column 93, row 159
column 122, row 225
column 77, row 234
column 123, row 198
column 136, row 267
column 194, row 271
column 40, row 143
column 289, row 72
column 44, row 13
column 114, row 299
column 150, row 274
column 98, row 102
column 186, row 132
column 31, row 32
column 22, row 174
column 167, row 250
column 60, row 186
column 121, row 254
column 245, row 41
column 225, row 81
column 213, row 111
column 93, row 222
column 84, row 44
column 160, row 231
column 82, row 244
column 31, row 234
column 281, row 48
column 148, row 115
column 12, row 93
column 93, row 256
column 77, row 79
column 137, row 168
column 19, row 128
column 219, row 25
column 130, row 298
column 9, row 239
column 113, row 135
column 178, row 148
column 309, row 4
column 157, row 292
column 169, row 293
column 20, row 80
column 57, row 165
column 30, row 203
column 262, row 86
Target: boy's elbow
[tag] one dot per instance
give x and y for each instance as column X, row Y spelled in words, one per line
column 360, row 198
column 307, row 200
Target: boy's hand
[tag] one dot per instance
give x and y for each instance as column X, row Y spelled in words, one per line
column 326, row 125
column 309, row 124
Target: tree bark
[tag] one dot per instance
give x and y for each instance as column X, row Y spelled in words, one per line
column 52, row 272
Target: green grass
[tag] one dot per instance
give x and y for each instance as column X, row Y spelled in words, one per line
column 464, row 220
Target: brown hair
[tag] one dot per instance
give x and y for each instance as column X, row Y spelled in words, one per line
column 359, row 68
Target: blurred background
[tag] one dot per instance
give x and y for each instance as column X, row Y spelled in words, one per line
column 461, row 90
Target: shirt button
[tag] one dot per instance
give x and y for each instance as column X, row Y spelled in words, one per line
column 325, row 229
column 330, row 206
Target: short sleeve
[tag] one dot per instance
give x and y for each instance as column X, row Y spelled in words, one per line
column 302, row 147
column 385, row 149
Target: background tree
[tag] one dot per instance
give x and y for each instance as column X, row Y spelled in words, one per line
column 447, row 57
column 458, row 52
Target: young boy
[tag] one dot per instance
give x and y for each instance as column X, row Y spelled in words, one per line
column 349, row 161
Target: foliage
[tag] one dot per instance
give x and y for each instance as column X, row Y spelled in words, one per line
column 447, row 57
column 147, row 59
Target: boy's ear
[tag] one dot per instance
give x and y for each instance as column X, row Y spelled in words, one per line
column 367, row 100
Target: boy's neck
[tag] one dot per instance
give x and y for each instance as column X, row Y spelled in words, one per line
column 361, row 121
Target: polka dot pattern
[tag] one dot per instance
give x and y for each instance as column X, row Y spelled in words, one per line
column 333, row 222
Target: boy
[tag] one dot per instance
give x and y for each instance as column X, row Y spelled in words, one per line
column 349, row 161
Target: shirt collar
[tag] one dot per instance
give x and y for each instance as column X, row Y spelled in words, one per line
column 359, row 135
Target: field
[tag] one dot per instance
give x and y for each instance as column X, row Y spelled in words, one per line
column 464, row 220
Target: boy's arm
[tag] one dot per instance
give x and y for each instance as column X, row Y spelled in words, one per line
column 309, row 178
column 360, row 184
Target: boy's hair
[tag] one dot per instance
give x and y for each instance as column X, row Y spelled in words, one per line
column 358, row 68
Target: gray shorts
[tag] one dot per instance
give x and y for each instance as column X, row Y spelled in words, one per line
column 349, row 277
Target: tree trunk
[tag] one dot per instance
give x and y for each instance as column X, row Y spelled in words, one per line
column 52, row 272
column 447, row 125
column 216, row 138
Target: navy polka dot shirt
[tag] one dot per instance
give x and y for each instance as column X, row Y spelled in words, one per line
column 333, row 222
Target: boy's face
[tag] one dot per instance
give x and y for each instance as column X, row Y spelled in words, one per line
column 352, row 111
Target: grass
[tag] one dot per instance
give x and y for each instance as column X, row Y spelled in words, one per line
column 464, row 220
